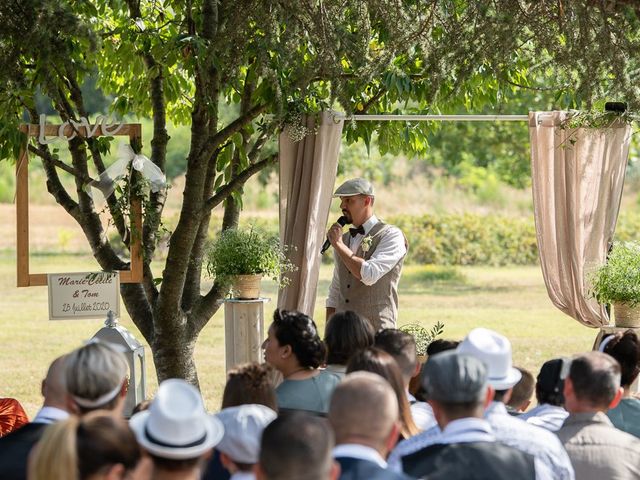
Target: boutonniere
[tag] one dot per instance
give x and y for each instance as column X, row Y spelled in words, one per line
column 366, row 243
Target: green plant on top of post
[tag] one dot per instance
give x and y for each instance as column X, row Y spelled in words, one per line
column 422, row 336
column 248, row 252
column 618, row 280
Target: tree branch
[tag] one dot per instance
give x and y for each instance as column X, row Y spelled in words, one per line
column 238, row 181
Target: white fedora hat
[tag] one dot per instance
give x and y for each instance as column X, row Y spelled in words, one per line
column 176, row 426
column 495, row 351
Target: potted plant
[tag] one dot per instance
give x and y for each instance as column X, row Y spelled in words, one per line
column 423, row 338
column 618, row 282
column 241, row 257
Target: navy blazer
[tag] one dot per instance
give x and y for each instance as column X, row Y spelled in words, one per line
column 356, row 469
column 15, row 448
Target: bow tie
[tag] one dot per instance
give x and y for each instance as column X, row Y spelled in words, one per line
column 356, row 231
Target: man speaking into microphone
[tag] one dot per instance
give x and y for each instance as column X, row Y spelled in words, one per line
column 368, row 259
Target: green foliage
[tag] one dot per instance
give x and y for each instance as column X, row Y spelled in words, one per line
column 422, row 336
column 247, row 252
column 452, row 239
column 619, row 279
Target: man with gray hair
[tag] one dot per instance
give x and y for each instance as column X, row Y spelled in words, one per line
column 15, row 447
column 364, row 416
column 597, row 449
column 297, row 446
column 456, row 385
column 368, row 258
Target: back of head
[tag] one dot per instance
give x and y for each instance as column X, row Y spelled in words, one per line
column 78, row 448
column 402, row 347
column 363, row 410
column 595, row 377
column 441, row 345
column 377, row 361
column 345, row 334
column 625, row 348
column 95, row 375
column 54, row 386
column 522, row 391
column 296, row 446
column 300, row 332
column 550, row 381
column 250, row 384
column 456, row 380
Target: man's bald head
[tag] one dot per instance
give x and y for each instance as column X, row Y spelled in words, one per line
column 54, row 389
column 363, row 410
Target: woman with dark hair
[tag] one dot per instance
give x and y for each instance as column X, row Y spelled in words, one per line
column 294, row 348
column 625, row 348
column 375, row 360
column 345, row 334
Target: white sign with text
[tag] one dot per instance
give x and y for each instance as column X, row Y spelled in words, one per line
column 83, row 295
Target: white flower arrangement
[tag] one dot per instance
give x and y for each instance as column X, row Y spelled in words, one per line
column 366, row 243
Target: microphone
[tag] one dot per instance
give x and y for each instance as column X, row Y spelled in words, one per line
column 342, row 221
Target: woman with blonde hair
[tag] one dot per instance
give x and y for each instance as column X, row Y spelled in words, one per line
column 94, row 447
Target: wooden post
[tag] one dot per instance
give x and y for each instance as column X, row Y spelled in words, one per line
column 243, row 330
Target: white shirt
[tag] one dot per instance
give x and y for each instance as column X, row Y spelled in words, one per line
column 50, row 415
column 359, row 452
column 422, row 413
column 390, row 250
column 546, row 416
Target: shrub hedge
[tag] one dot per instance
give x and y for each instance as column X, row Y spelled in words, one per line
column 474, row 239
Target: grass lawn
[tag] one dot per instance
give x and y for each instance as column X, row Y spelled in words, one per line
column 510, row 300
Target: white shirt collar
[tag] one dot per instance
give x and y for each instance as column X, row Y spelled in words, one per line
column 360, row 452
column 50, row 415
column 368, row 225
column 243, row 476
column 467, row 430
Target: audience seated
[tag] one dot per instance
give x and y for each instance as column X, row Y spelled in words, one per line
column 437, row 346
column 176, row 431
column 364, row 417
column 240, row 446
column 374, row 360
column 402, row 347
column 246, row 384
column 295, row 349
column 521, row 394
column 345, row 334
column 249, row 384
column 494, row 350
column 625, row 348
column 96, row 378
column 467, row 449
column 15, row 448
column 12, row 416
column 549, row 413
column 96, row 446
column 297, row 446
column 597, row 449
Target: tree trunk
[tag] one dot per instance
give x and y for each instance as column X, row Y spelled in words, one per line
column 173, row 355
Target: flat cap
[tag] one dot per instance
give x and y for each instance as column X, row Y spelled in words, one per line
column 452, row 377
column 355, row 186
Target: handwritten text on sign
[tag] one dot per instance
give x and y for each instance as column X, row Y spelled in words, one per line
column 83, row 295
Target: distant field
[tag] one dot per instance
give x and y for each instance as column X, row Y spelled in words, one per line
column 510, row 300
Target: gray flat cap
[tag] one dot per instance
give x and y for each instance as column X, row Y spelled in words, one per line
column 452, row 377
column 355, row 186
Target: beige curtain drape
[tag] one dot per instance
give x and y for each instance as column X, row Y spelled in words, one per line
column 578, row 176
column 307, row 177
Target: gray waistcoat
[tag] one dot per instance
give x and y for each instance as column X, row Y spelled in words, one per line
column 378, row 302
